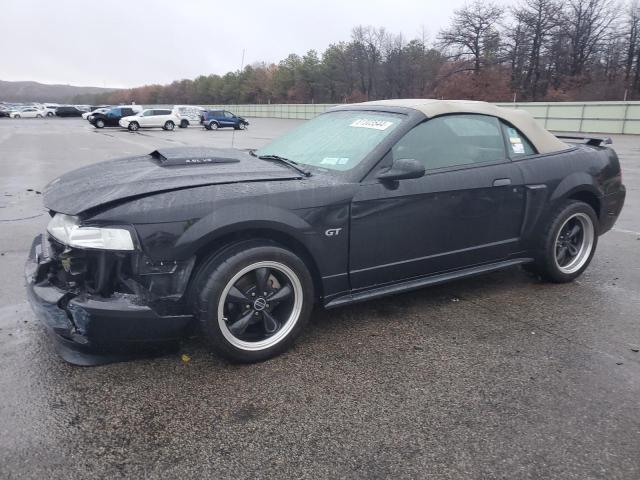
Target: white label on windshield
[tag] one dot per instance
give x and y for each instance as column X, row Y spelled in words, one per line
column 517, row 147
column 334, row 161
column 375, row 124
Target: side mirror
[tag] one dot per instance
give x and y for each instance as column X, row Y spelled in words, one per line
column 402, row 169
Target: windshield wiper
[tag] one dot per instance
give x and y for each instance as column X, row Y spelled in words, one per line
column 286, row 161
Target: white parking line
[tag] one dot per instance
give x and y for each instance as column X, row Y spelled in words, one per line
column 622, row 230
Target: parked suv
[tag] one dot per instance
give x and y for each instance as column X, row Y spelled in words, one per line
column 188, row 115
column 150, row 118
column 215, row 119
column 113, row 116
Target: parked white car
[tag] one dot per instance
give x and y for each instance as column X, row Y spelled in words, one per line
column 187, row 115
column 49, row 111
column 150, row 118
column 28, row 112
column 86, row 115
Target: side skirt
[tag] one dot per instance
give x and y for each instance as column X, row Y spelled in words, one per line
column 417, row 283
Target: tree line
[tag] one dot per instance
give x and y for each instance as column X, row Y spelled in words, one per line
column 537, row 50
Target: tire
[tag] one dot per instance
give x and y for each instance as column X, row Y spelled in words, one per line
column 184, row 123
column 38, row 116
column 213, row 126
column 16, row 116
column 566, row 243
column 240, row 322
column 242, row 126
column 133, row 126
column 99, row 123
column 49, row 114
column 169, row 125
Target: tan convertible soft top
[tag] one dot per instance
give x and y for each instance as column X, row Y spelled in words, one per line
column 543, row 141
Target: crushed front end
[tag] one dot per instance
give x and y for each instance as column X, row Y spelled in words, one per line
column 106, row 305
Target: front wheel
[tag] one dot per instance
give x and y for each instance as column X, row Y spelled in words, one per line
column 99, row 123
column 38, row 116
column 567, row 243
column 169, row 125
column 16, row 116
column 253, row 300
column 213, row 126
column 49, row 114
column 133, row 126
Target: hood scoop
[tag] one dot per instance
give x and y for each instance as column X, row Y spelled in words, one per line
column 180, row 156
column 166, row 169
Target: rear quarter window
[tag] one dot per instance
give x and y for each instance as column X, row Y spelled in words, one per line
column 517, row 144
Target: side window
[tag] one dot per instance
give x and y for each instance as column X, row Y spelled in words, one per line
column 517, row 144
column 126, row 112
column 453, row 140
column 228, row 114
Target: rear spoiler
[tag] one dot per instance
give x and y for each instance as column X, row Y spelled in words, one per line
column 589, row 140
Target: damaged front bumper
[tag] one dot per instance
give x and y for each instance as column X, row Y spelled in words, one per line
column 90, row 328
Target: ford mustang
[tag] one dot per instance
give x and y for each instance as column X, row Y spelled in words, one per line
column 363, row 201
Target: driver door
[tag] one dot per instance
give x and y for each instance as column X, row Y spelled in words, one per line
column 467, row 209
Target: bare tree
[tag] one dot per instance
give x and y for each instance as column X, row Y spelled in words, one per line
column 474, row 33
column 537, row 20
column 632, row 57
column 589, row 22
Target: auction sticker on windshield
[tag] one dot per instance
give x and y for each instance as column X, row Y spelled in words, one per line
column 375, row 124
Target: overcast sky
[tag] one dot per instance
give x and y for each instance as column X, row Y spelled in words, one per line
column 126, row 43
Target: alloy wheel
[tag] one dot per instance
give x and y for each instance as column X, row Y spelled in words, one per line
column 574, row 243
column 260, row 305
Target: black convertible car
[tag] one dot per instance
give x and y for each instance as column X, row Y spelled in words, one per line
column 363, row 201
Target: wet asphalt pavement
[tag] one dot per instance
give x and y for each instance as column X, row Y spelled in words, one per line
column 500, row 376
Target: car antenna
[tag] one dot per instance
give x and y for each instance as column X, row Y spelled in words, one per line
column 233, row 134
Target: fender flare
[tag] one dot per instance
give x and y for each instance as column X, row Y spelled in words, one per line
column 573, row 183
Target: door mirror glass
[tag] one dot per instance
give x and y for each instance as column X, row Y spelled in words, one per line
column 402, row 169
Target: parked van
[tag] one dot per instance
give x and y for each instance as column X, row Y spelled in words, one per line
column 187, row 115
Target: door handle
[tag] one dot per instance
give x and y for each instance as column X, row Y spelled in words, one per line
column 501, row 182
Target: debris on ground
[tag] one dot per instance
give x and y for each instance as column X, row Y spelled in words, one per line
column 185, row 358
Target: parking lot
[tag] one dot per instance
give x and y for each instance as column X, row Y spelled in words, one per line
column 499, row 376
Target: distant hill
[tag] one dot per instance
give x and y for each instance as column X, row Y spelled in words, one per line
column 41, row 92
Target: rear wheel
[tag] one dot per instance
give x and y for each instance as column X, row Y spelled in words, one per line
column 133, row 126
column 567, row 243
column 213, row 126
column 38, row 116
column 184, row 123
column 49, row 114
column 253, row 299
column 169, row 125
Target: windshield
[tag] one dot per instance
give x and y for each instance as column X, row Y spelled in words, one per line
column 336, row 140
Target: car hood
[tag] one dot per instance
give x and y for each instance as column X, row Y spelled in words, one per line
column 164, row 170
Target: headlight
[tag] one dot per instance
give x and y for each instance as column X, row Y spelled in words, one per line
column 67, row 230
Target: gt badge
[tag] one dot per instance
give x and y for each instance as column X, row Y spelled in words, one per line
column 332, row 232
